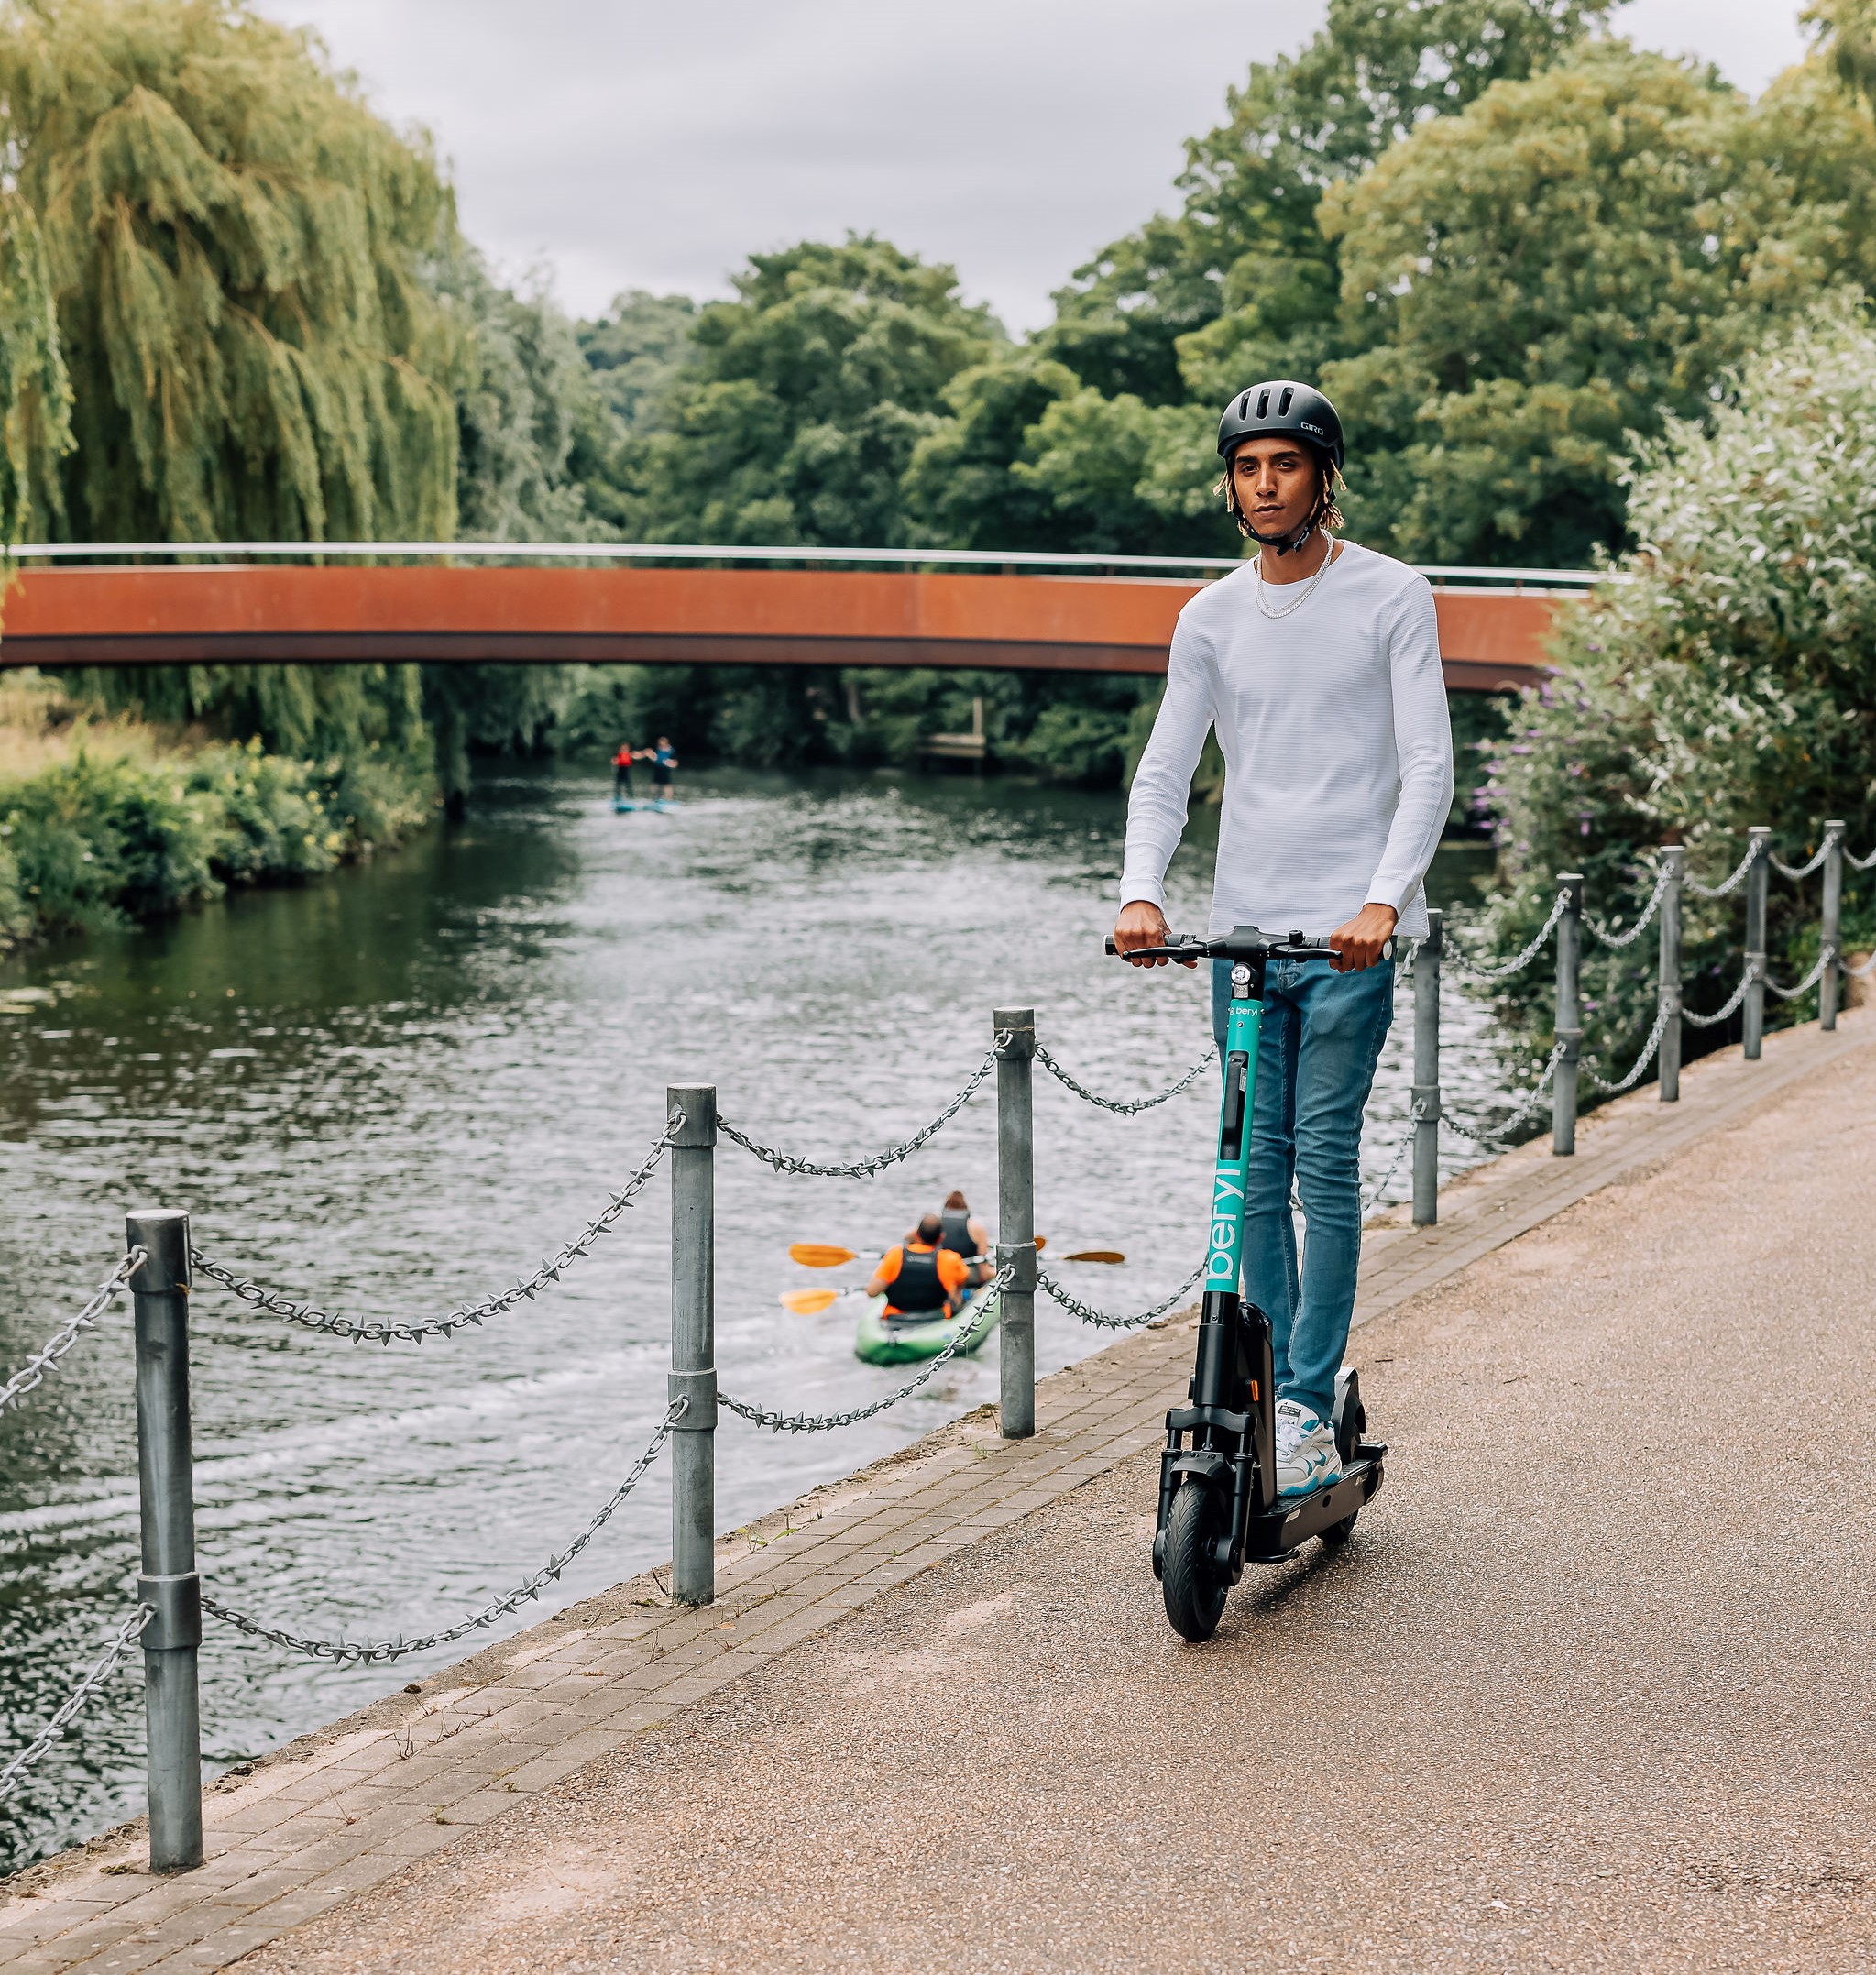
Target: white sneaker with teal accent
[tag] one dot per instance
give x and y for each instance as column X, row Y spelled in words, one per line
column 1306, row 1456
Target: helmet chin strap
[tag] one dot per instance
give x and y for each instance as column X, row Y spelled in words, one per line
column 1285, row 544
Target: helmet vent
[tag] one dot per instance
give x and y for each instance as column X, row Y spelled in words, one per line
column 1283, row 403
column 1263, row 404
column 1244, row 406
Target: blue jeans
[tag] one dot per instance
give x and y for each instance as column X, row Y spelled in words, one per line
column 1322, row 1036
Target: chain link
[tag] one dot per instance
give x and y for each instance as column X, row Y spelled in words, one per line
column 1599, row 1082
column 1862, row 972
column 126, row 1636
column 1634, row 933
column 1088, row 1315
column 1126, row 1106
column 1726, row 884
column 365, row 1653
column 1473, row 971
column 1732, row 1002
column 1370, row 1201
column 1494, row 1136
column 786, row 1162
column 1859, row 863
column 310, row 1317
column 32, row 1374
column 1817, row 857
column 825, row 1422
column 1810, row 980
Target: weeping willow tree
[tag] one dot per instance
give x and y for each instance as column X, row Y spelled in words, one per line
column 35, row 391
column 235, row 246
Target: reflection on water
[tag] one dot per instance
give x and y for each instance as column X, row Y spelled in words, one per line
column 395, row 1091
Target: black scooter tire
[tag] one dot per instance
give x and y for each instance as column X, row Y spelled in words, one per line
column 1338, row 1534
column 1195, row 1589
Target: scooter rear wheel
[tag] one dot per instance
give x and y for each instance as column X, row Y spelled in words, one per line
column 1194, row 1587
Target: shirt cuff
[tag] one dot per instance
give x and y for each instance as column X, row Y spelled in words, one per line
column 1138, row 891
column 1384, row 892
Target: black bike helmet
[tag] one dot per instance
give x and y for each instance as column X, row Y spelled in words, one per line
column 1279, row 408
column 1285, row 408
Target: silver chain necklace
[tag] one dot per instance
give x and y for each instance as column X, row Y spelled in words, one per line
column 1307, row 589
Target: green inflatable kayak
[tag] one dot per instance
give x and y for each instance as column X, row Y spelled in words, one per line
column 879, row 1342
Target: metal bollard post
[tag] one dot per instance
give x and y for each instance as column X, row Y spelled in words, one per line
column 694, row 1344
column 1829, row 983
column 1758, row 883
column 1015, row 1218
column 1426, row 1075
column 169, row 1583
column 1569, row 1015
column 1674, row 862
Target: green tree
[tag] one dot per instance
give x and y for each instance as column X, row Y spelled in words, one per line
column 637, row 349
column 1573, row 259
column 1245, row 252
column 235, row 244
column 1726, row 678
column 797, row 414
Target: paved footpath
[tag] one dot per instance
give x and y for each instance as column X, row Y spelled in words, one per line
column 1593, row 1687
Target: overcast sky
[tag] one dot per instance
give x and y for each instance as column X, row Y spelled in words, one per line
column 642, row 144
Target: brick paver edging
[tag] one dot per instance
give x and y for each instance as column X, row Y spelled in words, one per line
column 334, row 1813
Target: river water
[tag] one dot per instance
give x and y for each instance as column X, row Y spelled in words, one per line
column 396, row 1089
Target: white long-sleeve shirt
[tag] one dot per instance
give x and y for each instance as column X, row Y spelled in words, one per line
column 1338, row 753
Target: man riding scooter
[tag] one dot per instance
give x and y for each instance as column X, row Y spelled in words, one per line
column 1317, row 664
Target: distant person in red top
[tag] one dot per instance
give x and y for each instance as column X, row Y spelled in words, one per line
column 919, row 1279
column 621, row 773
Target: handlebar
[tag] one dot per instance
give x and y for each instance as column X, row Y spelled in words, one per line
column 1242, row 943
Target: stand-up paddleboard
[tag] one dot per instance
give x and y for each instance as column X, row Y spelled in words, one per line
column 621, row 808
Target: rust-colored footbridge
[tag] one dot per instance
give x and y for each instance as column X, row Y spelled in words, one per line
column 589, row 603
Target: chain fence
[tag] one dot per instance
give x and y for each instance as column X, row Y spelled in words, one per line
column 972, row 1333
column 362, row 1652
column 1610, row 937
column 1126, row 1106
column 1804, row 870
column 1859, row 863
column 1493, row 1137
column 309, row 1316
column 1597, row 1082
column 1471, row 969
column 32, row 1374
column 74, row 1704
column 1075, row 1307
column 787, row 1162
column 1804, row 986
column 1726, row 884
column 1731, row 1004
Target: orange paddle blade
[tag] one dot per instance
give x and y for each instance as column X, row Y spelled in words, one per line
column 1041, row 1243
column 1095, row 1254
column 819, row 1255
column 809, row 1302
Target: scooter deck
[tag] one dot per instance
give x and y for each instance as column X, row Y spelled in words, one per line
column 1275, row 1538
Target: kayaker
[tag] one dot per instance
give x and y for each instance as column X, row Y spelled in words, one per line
column 663, row 762
column 963, row 1234
column 919, row 1279
column 621, row 773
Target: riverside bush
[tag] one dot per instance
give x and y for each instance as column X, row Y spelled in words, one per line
column 91, row 842
column 1724, row 675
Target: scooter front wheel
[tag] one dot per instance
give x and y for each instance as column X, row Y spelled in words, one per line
column 1195, row 1588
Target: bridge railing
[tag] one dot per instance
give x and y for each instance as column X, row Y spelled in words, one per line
column 161, row 1266
column 1456, row 575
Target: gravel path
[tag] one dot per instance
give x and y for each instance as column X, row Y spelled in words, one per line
column 1592, row 1688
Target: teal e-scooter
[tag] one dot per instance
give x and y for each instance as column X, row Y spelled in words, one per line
column 1219, row 1509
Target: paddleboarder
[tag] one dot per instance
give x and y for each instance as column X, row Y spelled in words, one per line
column 621, row 773
column 664, row 762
